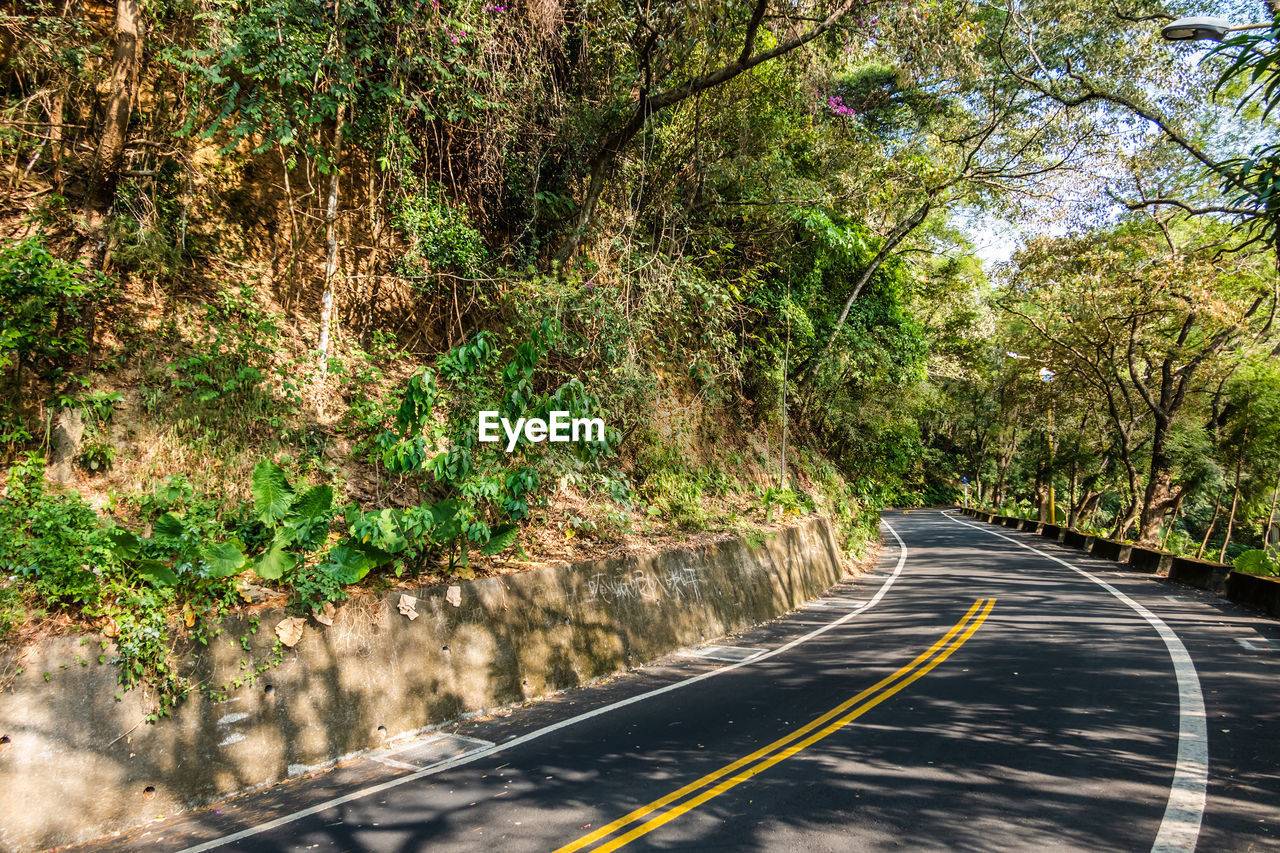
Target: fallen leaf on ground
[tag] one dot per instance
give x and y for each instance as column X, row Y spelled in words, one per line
column 290, row 630
column 408, row 606
column 325, row 615
column 454, row 595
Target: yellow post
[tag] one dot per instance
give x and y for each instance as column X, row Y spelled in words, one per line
column 1053, row 512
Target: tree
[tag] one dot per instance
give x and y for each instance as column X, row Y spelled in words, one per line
column 108, row 158
column 658, row 24
column 1145, row 328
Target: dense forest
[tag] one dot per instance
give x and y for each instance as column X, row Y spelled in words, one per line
column 262, row 262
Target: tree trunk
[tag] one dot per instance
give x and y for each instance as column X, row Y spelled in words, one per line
column 1071, row 497
column 375, row 240
column 1231, row 516
column 1125, row 521
column 109, row 156
column 1173, row 521
column 1159, row 495
column 1271, row 518
column 1217, row 509
column 331, row 239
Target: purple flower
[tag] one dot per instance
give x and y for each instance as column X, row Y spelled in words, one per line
column 837, row 106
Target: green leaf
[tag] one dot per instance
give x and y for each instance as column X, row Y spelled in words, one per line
column 504, row 536
column 224, row 559
column 391, row 539
column 445, row 510
column 448, row 525
column 124, row 544
column 1255, row 562
column 157, row 572
column 315, row 503
column 168, row 525
column 346, row 565
column 272, row 495
column 274, row 563
column 375, row 555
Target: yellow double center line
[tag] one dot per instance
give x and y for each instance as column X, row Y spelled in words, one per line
column 785, row 747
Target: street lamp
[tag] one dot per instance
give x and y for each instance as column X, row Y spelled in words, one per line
column 1204, row 29
column 1047, row 376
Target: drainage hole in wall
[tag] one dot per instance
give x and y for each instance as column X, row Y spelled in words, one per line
column 4, row 741
column 382, row 731
column 444, row 649
column 270, row 690
column 149, row 792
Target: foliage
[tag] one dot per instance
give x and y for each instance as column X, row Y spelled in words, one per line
column 1254, row 179
column 440, row 236
column 65, row 559
column 1257, row 562
column 485, row 492
column 42, row 298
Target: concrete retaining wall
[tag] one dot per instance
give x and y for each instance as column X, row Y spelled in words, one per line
column 1029, row 524
column 1051, row 531
column 1201, row 574
column 1076, row 539
column 1109, row 549
column 1149, row 560
column 1256, row 592
column 78, row 760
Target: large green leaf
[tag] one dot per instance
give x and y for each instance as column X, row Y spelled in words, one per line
column 376, row 556
column 168, row 525
column 347, row 564
column 1255, row 562
column 124, row 543
column 272, row 564
column 223, row 559
column 272, row 496
column 448, row 524
column 157, row 572
column 390, row 539
column 502, row 538
column 315, row 503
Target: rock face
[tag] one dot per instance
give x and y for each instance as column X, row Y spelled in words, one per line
column 65, row 442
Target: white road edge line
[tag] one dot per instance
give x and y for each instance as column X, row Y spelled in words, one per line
column 1180, row 827
column 554, row 727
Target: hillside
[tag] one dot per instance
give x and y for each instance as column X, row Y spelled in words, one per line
column 265, row 264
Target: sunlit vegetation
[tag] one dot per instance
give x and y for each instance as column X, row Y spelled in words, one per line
column 265, row 260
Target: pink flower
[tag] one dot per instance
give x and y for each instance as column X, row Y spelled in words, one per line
column 837, row 106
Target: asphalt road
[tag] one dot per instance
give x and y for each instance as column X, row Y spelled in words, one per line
column 971, row 694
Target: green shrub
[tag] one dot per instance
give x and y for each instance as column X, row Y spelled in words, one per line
column 440, row 235
column 42, row 298
column 52, row 540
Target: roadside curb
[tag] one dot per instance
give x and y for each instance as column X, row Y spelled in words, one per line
column 1252, row 591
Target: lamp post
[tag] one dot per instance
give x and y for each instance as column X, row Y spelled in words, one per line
column 1203, row 28
column 1046, row 376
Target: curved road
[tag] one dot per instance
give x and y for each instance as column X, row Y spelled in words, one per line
column 984, row 689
